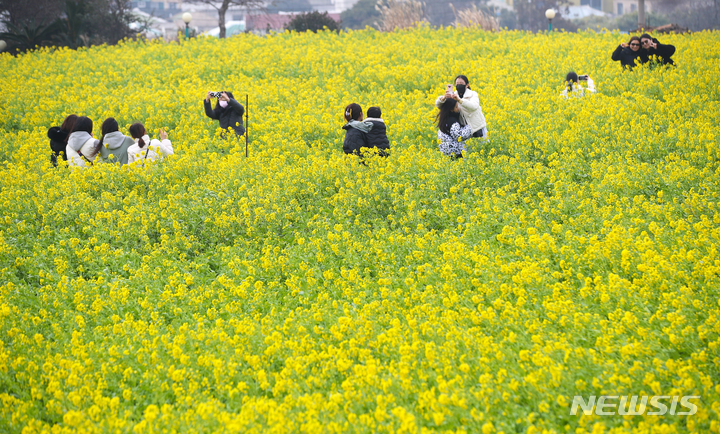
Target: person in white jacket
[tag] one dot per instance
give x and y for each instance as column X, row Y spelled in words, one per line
column 82, row 148
column 145, row 149
column 573, row 86
column 470, row 111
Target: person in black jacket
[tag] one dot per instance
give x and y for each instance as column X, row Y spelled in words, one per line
column 228, row 111
column 377, row 136
column 356, row 131
column 653, row 47
column 629, row 53
column 58, row 138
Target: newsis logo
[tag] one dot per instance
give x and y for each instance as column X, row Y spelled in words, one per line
column 629, row 405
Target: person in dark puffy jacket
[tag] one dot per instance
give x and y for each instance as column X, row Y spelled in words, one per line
column 228, row 111
column 377, row 136
column 662, row 52
column 356, row 131
column 58, row 138
column 630, row 53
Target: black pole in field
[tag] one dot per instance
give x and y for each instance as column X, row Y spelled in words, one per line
column 247, row 123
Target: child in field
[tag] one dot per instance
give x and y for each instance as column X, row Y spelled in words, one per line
column 377, row 136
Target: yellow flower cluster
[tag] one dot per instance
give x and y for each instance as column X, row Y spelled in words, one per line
column 574, row 253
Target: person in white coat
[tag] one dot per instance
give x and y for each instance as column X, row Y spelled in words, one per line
column 82, row 148
column 574, row 88
column 470, row 111
column 145, row 149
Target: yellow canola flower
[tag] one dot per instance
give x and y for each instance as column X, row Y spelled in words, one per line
column 574, row 252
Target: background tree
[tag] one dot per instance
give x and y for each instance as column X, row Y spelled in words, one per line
column 362, row 14
column 29, row 34
column 20, row 12
column 289, row 6
column 312, row 21
column 222, row 7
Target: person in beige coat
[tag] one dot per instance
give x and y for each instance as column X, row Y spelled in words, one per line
column 82, row 148
column 470, row 111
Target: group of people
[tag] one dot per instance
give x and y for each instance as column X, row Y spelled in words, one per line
column 643, row 49
column 460, row 117
column 73, row 141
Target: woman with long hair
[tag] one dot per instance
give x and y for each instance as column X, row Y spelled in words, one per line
column 451, row 130
column 58, row 138
column 143, row 149
column 660, row 53
column 114, row 144
column 630, row 53
column 469, row 105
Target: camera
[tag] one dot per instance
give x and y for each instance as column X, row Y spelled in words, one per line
column 582, row 77
column 216, row 94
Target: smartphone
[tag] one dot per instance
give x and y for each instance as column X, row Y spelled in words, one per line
column 449, row 88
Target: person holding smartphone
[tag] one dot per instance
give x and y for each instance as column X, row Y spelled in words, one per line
column 469, row 105
column 227, row 110
column 573, row 86
column 144, row 149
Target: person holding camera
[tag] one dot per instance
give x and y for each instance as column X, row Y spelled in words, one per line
column 573, row 86
column 628, row 54
column 227, row 110
column 662, row 52
column 469, row 103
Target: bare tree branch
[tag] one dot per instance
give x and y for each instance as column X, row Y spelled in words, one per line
column 222, row 7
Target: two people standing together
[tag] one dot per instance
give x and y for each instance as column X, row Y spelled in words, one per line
column 460, row 117
column 643, row 49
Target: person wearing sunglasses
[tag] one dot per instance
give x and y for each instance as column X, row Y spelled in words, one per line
column 630, row 53
column 653, row 47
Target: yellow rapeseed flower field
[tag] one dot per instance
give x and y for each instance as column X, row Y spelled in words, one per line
column 574, row 253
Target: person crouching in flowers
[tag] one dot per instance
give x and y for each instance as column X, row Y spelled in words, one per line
column 82, row 148
column 114, row 144
column 573, row 86
column 450, row 130
column 143, row 149
column 356, row 131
